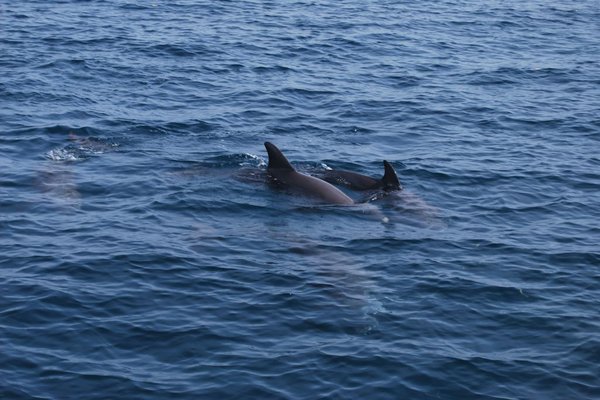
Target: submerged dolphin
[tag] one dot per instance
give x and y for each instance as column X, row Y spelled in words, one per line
column 389, row 182
column 281, row 169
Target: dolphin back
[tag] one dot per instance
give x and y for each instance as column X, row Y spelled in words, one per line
column 281, row 169
column 351, row 180
column 390, row 180
column 276, row 158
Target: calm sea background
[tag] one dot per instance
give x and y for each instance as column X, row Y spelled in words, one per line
column 142, row 255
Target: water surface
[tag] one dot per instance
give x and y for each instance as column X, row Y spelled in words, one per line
column 142, row 255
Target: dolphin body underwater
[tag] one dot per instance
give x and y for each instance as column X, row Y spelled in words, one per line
column 282, row 171
column 352, row 180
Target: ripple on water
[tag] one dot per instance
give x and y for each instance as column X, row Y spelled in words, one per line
column 143, row 255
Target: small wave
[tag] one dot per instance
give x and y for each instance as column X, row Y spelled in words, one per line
column 272, row 69
column 173, row 50
column 63, row 155
column 234, row 160
column 512, row 75
column 192, row 127
column 64, row 64
column 308, row 94
column 402, row 81
column 179, row 50
column 82, row 149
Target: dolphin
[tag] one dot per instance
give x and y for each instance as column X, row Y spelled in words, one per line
column 282, row 171
column 389, row 182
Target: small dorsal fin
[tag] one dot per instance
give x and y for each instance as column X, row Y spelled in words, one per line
column 390, row 179
column 276, row 158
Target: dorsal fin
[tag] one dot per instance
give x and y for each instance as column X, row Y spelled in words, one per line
column 390, row 179
column 276, row 158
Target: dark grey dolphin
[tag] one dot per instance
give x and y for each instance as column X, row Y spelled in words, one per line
column 389, row 182
column 281, row 169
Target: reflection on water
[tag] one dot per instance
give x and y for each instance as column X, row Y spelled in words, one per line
column 58, row 181
column 405, row 207
column 58, row 177
column 329, row 273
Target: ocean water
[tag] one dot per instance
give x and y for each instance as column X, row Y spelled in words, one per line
column 144, row 256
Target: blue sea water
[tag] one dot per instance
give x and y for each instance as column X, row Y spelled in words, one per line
column 143, row 256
